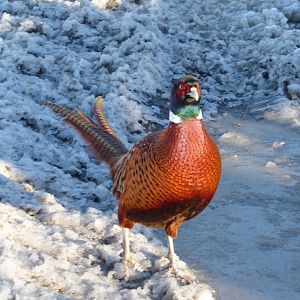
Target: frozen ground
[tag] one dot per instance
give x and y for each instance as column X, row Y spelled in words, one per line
column 58, row 238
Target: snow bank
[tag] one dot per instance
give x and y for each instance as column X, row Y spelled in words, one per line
column 56, row 253
column 58, row 232
column 261, row 51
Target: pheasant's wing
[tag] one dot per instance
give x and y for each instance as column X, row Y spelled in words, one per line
column 106, row 147
column 141, row 186
column 136, row 174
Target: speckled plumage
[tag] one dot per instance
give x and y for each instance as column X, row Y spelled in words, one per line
column 168, row 177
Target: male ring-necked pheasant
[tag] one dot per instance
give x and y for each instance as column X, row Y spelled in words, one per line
column 168, row 177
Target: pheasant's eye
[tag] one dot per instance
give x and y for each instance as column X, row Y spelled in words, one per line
column 182, row 89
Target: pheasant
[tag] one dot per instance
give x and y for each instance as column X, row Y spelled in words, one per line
column 168, row 177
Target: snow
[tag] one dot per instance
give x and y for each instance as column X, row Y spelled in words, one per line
column 286, row 113
column 234, row 138
column 271, row 164
column 59, row 237
column 277, row 144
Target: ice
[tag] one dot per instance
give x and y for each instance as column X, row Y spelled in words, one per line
column 271, row 164
column 59, row 237
column 235, row 138
column 277, row 145
column 287, row 113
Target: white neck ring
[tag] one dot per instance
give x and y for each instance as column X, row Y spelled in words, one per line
column 176, row 119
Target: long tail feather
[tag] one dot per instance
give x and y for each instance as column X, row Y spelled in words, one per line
column 98, row 109
column 105, row 145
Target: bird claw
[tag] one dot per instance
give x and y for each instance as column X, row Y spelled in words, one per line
column 181, row 276
column 130, row 264
column 185, row 278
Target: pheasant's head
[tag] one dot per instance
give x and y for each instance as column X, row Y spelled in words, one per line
column 185, row 100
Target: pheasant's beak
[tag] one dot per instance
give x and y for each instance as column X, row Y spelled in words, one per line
column 193, row 95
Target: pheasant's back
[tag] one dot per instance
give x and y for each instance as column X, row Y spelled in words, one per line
column 168, row 172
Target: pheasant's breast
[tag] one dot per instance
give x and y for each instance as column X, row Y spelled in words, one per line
column 176, row 170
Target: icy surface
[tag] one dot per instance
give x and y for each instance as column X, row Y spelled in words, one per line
column 58, row 232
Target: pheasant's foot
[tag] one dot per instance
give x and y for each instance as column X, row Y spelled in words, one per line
column 173, row 271
column 131, row 264
column 128, row 264
column 181, row 276
column 172, row 257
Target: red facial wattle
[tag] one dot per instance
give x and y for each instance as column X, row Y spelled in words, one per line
column 183, row 89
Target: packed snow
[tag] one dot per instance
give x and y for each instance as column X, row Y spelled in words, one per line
column 59, row 237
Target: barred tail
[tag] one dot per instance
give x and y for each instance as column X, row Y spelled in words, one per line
column 98, row 110
column 101, row 138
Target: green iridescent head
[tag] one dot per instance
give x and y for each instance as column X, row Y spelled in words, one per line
column 185, row 98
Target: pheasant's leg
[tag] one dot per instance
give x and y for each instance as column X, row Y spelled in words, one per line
column 128, row 262
column 126, row 256
column 125, row 225
column 126, row 243
column 172, row 266
column 171, row 231
column 171, row 254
